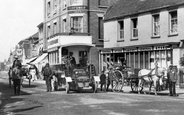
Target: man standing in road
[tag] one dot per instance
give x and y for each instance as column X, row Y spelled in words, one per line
column 103, row 81
column 172, row 76
column 47, row 73
column 16, row 75
column 110, row 79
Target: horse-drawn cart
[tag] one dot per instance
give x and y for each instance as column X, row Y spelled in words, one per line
column 127, row 76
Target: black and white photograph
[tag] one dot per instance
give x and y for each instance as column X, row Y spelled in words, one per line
column 92, row 57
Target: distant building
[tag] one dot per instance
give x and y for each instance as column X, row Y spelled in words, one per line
column 29, row 48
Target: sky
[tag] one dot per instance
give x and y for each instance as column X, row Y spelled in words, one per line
column 18, row 20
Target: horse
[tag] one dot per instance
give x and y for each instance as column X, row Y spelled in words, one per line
column 151, row 77
column 17, row 79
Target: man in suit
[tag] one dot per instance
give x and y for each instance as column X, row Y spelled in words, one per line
column 172, row 76
column 47, row 73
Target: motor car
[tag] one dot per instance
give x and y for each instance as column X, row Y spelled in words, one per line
column 79, row 81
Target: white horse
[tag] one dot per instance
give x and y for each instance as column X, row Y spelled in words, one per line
column 151, row 77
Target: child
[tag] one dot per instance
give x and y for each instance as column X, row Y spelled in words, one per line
column 103, row 80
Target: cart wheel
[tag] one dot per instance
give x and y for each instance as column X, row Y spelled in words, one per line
column 117, row 86
column 134, row 86
column 118, row 82
column 67, row 87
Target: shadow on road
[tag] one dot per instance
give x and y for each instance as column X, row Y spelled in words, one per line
column 9, row 100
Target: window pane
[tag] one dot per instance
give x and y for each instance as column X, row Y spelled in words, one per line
column 76, row 23
column 174, row 22
column 156, row 25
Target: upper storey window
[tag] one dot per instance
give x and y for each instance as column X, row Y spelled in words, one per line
column 48, row 8
column 55, row 6
column 156, row 25
column 121, row 30
column 77, row 23
column 76, row 2
column 102, row 2
column 173, row 22
column 64, row 4
column 134, row 28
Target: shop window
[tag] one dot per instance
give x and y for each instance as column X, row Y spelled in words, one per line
column 156, row 25
column 146, row 60
column 168, row 54
column 136, row 60
column 141, row 60
column 132, row 59
column 173, row 22
column 127, row 59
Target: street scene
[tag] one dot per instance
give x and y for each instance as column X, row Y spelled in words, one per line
column 34, row 100
column 95, row 57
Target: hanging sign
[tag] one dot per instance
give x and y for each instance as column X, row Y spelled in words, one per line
column 19, row 52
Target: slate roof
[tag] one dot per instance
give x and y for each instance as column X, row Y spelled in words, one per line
column 124, row 8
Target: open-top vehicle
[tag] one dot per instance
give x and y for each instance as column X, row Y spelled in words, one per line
column 79, row 81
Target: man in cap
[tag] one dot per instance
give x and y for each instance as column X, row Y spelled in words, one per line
column 16, row 62
column 16, row 75
column 47, row 73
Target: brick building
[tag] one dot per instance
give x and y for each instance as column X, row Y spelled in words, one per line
column 74, row 26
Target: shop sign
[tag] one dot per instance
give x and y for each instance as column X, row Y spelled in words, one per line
column 77, row 7
column 53, row 42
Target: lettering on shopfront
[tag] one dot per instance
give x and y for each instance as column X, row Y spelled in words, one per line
column 77, row 7
column 53, row 42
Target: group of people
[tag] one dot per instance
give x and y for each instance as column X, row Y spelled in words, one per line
column 106, row 79
column 69, row 62
column 17, row 71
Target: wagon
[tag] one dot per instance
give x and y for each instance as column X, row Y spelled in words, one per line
column 128, row 76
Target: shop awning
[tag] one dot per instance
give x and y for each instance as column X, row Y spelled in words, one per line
column 28, row 60
column 40, row 58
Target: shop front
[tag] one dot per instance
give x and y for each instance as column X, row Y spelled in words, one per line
column 142, row 56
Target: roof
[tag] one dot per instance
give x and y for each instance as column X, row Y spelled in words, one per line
column 36, row 35
column 124, row 8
